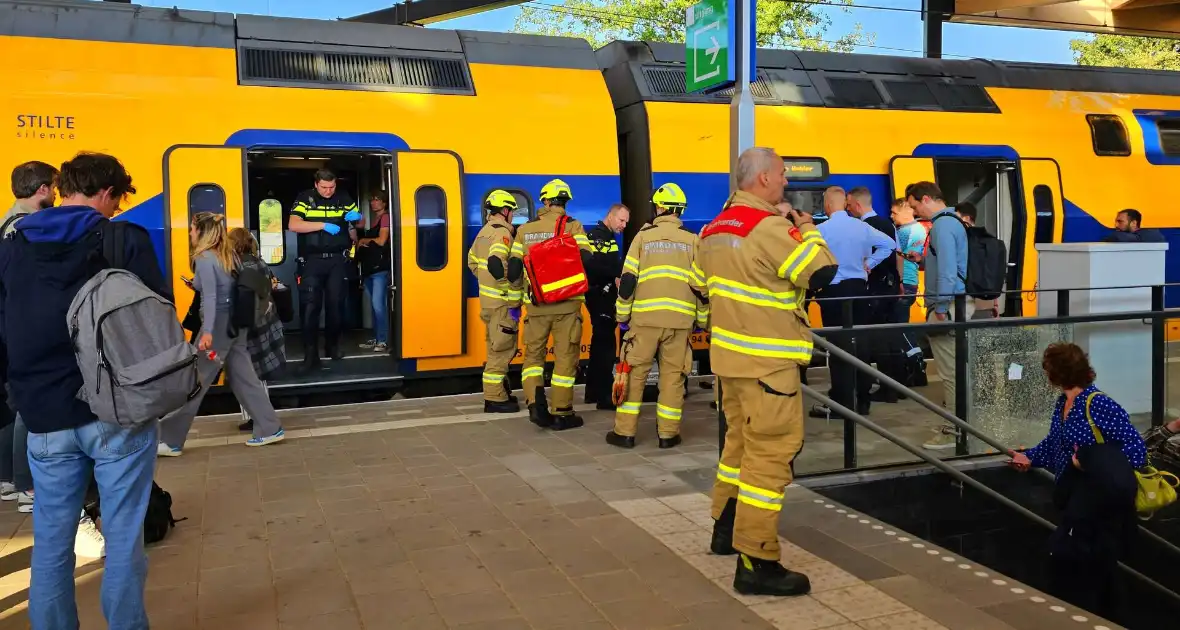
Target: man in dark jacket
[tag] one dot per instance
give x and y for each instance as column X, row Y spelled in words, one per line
column 606, row 265
column 1128, row 228
column 53, row 253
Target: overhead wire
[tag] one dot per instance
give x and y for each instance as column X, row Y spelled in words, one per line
column 632, row 19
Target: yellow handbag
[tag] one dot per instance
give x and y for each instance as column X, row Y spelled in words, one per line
column 1157, row 489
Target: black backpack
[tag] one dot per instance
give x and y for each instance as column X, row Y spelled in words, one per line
column 157, row 522
column 987, row 262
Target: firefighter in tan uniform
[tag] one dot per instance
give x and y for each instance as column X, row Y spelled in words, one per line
column 757, row 266
column 660, row 300
column 563, row 320
column 499, row 300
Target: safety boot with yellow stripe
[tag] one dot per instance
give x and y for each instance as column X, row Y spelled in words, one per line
column 756, row 576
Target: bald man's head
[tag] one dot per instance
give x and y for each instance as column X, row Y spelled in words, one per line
column 834, row 200
column 760, row 172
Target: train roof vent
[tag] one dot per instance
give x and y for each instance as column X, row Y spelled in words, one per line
column 306, row 68
column 961, row 96
column 670, row 80
column 910, row 94
column 848, row 92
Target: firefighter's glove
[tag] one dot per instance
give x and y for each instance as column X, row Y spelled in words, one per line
column 332, row 228
column 352, row 216
column 514, row 313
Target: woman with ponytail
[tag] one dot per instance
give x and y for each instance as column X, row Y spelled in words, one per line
column 214, row 264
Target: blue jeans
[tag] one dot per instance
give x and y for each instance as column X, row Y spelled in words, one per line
column 14, row 457
column 377, row 285
column 123, row 461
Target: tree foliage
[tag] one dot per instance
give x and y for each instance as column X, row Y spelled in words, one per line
column 1124, row 51
column 780, row 23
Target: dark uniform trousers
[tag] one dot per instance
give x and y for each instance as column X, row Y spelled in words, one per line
column 833, row 310
column 322, row 279
column 601, row 364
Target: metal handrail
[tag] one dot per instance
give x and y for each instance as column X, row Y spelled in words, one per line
column 886, row 380
column 962, row 477
column 1000, row 322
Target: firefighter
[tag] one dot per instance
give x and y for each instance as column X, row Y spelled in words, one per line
column 499, row 300
column 563, row 320
column 661, row 297
column 757, row 266
column 322, row 218
column 606, row 265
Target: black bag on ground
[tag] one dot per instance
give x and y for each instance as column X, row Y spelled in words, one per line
column 157, row 522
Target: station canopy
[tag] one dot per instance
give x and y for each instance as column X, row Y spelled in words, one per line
column 1148, row 18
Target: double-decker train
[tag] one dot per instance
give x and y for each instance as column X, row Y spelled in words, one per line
column 217, row 112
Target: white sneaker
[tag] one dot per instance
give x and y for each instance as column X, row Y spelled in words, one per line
column 7, row 491
column 163, row 450
column 24, row 502
column 89, row 542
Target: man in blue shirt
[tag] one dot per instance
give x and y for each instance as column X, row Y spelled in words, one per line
column 946, row 269
column 858, row 248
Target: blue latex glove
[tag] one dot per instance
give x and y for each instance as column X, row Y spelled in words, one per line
column 352, row 216
column 332, row 228
column 624, row 327
column 514, row 313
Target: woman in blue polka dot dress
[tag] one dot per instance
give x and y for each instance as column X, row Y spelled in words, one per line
column 1068, row 369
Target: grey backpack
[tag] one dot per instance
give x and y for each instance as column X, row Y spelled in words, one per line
column 136, row 365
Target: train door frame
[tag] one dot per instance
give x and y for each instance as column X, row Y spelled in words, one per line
column 1036, row 176
column 905, row 169
column 422, row 169
column 180, row 179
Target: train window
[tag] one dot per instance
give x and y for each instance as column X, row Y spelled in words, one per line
column 206, row 198
column 524, row 206
column 1169, row 135
column 270, row 231
column 1109, row 135
column 1043, row 206
column 430, row 207
column 910, row 94
column 809, row 201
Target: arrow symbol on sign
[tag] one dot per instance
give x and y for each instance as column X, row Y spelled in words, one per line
column 713, row 50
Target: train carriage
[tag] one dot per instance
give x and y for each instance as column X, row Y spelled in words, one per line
column 212, row 112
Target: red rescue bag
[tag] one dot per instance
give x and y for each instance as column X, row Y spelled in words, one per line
column 554, row 267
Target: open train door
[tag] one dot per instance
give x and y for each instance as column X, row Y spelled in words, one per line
column 1040, row 183
column 431, row 264
column 903, row 171
column 199, row 178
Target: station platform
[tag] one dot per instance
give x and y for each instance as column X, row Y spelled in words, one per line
column 427, row 514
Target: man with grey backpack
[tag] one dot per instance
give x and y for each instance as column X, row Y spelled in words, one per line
column 53, row 255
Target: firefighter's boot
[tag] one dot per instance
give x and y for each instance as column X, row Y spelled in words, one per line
column 722, row 543
column 670, row 442
column 621, row 441
column 539, row 410
column 504, row 406
column 767, row 577
column 571, row 421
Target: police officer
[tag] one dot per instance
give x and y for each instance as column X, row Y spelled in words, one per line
column 757, row 266
column 321, row 217
column 499, row 300
column 606, row 264
column 562, row 319
column 661, row 296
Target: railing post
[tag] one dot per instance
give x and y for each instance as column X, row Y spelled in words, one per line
column 1062, row 302
column 962, row 363
column 849, row 424
column 1159, row 358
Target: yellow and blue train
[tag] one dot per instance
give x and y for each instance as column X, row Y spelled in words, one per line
column 212, row 111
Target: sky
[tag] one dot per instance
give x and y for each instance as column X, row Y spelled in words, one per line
column 897, row 32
